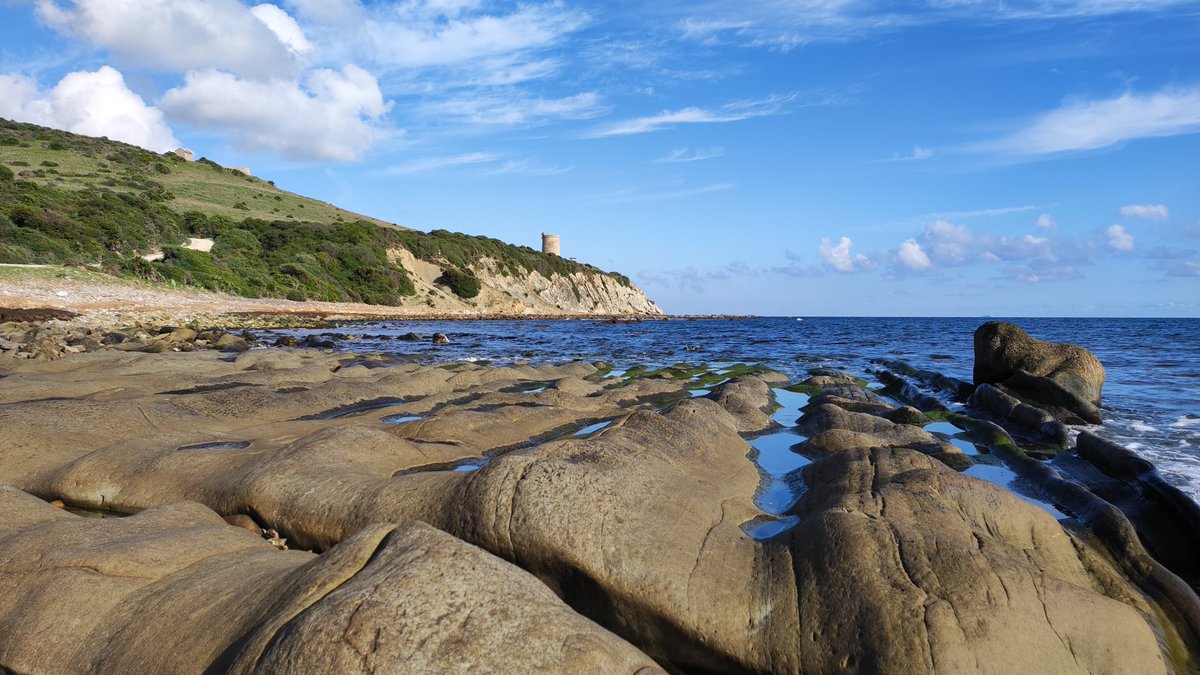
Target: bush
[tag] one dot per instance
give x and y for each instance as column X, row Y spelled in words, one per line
column 6, row 174
column 462, row 283
column 9, row 141
column 57, row 145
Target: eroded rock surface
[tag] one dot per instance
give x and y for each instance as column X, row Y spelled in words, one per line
column 1065, row 378
column 898, row 562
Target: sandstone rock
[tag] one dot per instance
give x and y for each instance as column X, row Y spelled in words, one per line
column 906, row 566
column 175, row 590
column 835, row 430
column 181, row 335
column 1003, row 350
column 243, row 521
column 232, row 343
column 750, row 402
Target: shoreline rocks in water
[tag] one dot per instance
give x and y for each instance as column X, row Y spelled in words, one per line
column 466, row 517
column 1062, row 379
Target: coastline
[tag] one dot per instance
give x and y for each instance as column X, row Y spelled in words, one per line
column 103, row 301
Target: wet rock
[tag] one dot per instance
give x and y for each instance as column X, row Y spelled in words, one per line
column 1010, row 409
column 288, row 341
column 440, row 339
column 318, row 342
column 1075, row 376
column 834, row 430
column 411, row 337
column 832, row 380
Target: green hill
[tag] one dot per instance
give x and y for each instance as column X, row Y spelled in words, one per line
column 74, row 200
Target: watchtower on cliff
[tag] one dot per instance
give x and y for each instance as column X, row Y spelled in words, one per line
column 550, row 244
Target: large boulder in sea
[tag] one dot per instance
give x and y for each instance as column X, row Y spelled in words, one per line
column 1064, row 379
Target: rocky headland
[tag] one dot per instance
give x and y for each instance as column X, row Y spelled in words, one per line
column 292, row 508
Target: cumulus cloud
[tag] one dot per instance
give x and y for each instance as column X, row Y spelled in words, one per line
column 283, row 26
column 1146, row 211
column 331, row 117
column 912, row 257
column 182, row 35
column 1118, row 238
column 1046, row 222
column 1027, row 258
column 839, row 257
column 1090, row 125
column 91, row 103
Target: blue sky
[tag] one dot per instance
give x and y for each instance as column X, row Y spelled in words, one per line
column 813, row 157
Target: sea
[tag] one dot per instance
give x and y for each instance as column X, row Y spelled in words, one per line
column 1151, row 399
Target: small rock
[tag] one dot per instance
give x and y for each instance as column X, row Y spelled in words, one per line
column 411, row 337
column 58, row 504
column 275, row 540
column 232, row 343
column 245, row 522
column 440, row 339
column 287, row 341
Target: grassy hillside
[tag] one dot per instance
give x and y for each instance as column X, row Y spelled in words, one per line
column 73, row 200
column 66, row 161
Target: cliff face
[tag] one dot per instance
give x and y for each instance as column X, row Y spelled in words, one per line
column 532, row 293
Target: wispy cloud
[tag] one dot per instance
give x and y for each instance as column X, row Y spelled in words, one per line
column 919, row 153
column 431, row 164
column 1146, row 211
column 683, row 155
column 501, row 109
column 528, row 167
column 1091, row 125
column 643, row 194
column 981, row 213
column 730, row 112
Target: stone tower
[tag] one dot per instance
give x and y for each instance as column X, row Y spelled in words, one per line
column 550, row 244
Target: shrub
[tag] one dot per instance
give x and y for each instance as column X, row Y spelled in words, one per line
column 57, row 145
column 49, row 163
column 9, row 141
column 162, row 168
column 462, row 283
column 6, row 174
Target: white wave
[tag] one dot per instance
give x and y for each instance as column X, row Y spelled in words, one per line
column 1186, row 421
column 1143, row 427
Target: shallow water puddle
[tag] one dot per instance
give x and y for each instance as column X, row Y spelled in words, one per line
column 780, row 483
column 593, row 428
column 950, row 433
column 1008, row 480
column 215, row 445
column 400, row 419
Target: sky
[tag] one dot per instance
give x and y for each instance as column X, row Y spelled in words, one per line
column 775, row 157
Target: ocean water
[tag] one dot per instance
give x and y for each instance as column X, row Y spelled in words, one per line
column 1151, row 397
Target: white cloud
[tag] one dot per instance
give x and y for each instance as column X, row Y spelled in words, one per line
column 431, row 164
column 446, row 32
column 1090, row 125
column 918, row 153
column 332, row 117
column 949, row 243
column 529, row 167
column 91, row 103
column 732, row 112
column 659, row 193
column 1146, row 211
column 839, row 257
column 182, row 35
column 494, row 109
column 1119, row 239
column 682, row 155
column 911, row 256
column 283, row 26
column 1046, row 222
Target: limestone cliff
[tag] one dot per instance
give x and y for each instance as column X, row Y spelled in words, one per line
column 502, row 292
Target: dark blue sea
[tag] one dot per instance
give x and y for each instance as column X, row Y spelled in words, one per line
column 1151, row 398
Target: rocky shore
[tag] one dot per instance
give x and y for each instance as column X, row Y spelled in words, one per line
column 301, row 509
